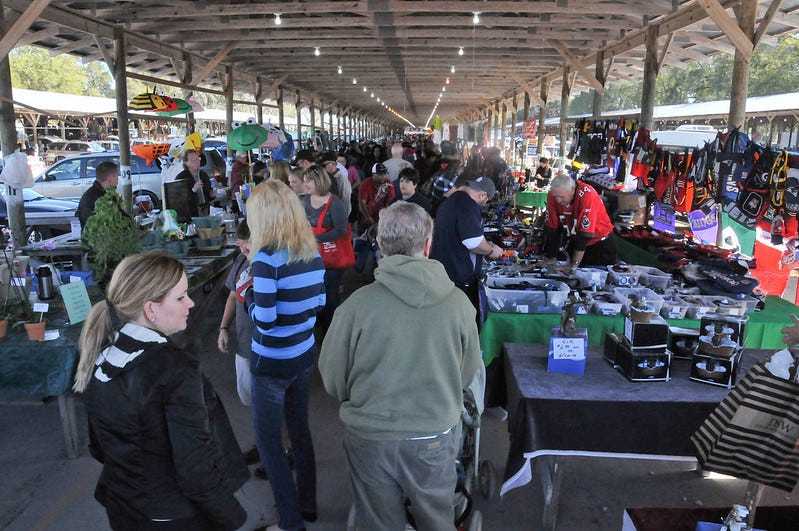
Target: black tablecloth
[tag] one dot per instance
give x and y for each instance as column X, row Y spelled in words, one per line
column 602, row 411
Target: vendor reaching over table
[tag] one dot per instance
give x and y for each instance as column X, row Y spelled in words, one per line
column 576, row 210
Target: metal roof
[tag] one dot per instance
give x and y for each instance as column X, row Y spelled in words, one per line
column 401, row 51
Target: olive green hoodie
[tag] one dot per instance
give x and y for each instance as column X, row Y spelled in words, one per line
column 400, row 351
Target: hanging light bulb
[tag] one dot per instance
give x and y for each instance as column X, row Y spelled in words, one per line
column 371, row 94
column 443, row 89
column 316, row 51
column 476, row 18
column 354, row 81
column 378, row 100
column 364, row 89
column 446, row 81
column 278, row 22
column 460, row 50
column 340, row 71
column 452, row 69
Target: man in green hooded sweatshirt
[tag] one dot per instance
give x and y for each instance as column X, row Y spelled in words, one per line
column 398, row 355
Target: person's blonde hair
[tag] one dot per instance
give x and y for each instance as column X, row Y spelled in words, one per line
column 320, row 178
column 137, row 279
column 278, row 222
column 279, row 170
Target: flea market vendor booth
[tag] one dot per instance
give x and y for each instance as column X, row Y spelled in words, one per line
column 627, row 360
column 45, row 368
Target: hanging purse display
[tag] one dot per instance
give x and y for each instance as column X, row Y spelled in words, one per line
column 339, row 253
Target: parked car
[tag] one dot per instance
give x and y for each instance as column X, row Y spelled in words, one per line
column 69, row 178
column 45, row 217
column 61, row 150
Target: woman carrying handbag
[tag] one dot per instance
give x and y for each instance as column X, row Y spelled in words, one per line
column 327, row 215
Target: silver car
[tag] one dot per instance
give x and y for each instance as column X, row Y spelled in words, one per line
column 60, row 150
column 69, row 178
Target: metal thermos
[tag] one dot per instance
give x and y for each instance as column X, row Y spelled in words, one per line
column 44, row 283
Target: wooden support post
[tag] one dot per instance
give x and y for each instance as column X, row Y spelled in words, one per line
column 281, row 122
column 121, row 89
column 229, row 106
column 564, row 110
column 298, row 110
column 503, row 120
column 8, row 140
column 599, row 73
column 259, row 95
column 542, row 114
column 650, row 77
column 746, row 12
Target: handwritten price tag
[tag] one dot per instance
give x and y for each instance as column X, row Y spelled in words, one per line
column 568, row 348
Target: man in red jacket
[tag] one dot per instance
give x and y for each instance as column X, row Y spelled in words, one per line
column 574, row 209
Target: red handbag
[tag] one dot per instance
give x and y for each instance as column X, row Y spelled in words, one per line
column 337, row 254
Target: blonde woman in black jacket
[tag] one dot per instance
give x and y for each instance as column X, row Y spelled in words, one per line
column 157, row 435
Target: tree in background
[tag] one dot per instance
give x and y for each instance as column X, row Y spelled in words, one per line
column 773, row 71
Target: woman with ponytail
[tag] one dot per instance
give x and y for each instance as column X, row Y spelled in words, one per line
column 149, row 421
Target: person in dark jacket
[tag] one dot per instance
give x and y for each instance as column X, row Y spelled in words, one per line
column 408, row 185
column 106, row 175
column 169, row 457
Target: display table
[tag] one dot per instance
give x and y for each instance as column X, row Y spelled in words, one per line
column 599, row 414
column 531, row 199
column 44, row 369
column 778, row 518
column 762, row 330
column 60, row 246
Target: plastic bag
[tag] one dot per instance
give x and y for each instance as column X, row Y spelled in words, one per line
column 16, row 172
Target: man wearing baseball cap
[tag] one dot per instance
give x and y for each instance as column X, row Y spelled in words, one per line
column 458, row 240
column 374, row 194
column 340, row 183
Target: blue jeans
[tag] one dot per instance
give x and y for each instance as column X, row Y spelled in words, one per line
column 274, row 398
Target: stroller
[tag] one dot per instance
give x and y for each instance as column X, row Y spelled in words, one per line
column 469, row 469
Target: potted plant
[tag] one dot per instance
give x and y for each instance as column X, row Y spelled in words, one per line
column 16, row 307
column 109, row 235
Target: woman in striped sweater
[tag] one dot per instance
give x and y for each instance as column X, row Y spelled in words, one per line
column 286, row 292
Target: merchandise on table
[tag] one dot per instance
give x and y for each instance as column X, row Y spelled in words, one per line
column 525, row 295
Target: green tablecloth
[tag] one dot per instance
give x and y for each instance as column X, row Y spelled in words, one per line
column 531, row 199
column 762, row 330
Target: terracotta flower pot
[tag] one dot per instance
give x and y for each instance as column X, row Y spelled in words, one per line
column 3, row 328
column 36, row 330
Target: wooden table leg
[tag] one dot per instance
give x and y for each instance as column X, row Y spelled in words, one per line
column 66, row 407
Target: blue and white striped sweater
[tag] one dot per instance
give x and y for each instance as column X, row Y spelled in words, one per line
column 286, row 298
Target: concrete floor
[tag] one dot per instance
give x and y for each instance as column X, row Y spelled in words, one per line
column 42, row 490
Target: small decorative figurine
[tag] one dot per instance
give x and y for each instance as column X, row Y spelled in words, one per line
column 568, row 316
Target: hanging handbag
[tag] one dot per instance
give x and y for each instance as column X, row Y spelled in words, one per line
column 753, row 433
column 337, row 254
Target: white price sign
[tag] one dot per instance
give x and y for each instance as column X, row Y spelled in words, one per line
column 568, row 348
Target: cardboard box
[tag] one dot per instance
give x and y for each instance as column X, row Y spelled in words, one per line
column 654, row 334
column 643, row 365
column 611, row 350
column 716, row 371
column 736, row 323
column 682, row 342
column 567, row 353
column 631, row 201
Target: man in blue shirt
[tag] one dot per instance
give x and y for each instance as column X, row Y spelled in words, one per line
column 458, row 240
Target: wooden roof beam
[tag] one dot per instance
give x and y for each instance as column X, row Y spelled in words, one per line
column 202, row 74
column 730, row 28
column 577, row 65
column 766, row 20
column 21, row 25
column 527, row 88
